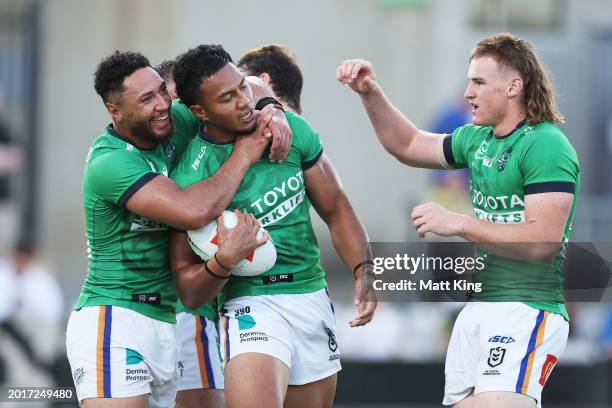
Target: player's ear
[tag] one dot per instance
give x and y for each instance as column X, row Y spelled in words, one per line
column 264, row 76
column 516, row 86
column 113, row 110
column 199, row 112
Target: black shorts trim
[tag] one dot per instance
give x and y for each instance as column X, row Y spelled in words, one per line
column 550, row 187
column 447, row 149
column 135, row 187
column 308, row 164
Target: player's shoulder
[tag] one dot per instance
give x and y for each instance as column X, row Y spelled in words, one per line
column 546, row 135
column 469, row 136
column 304, row 135
column 178, row 107
column 297, row 123
column 544, row 130
column 470, row 128
column 109, row 147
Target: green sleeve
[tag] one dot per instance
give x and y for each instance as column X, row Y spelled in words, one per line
column 549, row 163
column 456, row 146
column 305, row 139
column 182, row 174
column 185, row 124
column 115, row 176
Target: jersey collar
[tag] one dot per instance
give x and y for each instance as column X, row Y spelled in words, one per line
column 203, row 134
column 110, row 129
column 518, row 126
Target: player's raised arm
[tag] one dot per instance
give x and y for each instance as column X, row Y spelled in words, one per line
column 348, row 234
column 398, row 135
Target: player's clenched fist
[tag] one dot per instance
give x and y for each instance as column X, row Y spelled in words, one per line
column 358, row 74
column 431, row 217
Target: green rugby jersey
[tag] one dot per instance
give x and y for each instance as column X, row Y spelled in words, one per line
column 128, row 263
column 503, row 170
column 275, row 194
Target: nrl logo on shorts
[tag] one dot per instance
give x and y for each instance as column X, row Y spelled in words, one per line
column 503, row 160
column 331, row 343
column 496, row 356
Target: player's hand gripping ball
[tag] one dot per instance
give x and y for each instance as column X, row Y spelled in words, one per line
column 204, row 242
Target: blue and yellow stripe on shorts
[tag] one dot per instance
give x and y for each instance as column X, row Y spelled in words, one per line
column 535, row 341
column 203, row 347
column 105, row 320
column 226, row 343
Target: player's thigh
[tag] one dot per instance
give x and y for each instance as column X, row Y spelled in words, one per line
column 255, row 380
column 318, row 394
column 467, row 402
column 503, row 399
column 141, row 401
column 200, row 398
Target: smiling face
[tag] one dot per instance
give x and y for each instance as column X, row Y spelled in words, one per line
column 490, row 91
column 141, row 111
column 225, row 103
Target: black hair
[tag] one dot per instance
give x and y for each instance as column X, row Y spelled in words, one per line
column 112, row 70
column 165, row 69
column 280, row 63
column 194, row 66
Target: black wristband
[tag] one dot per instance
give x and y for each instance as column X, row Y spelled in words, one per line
column 369, row 273
column 362, row 263
column 266, row 101
column 214, row 274
column 220, row 264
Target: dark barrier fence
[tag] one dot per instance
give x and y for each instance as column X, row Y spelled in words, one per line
column 396, row 383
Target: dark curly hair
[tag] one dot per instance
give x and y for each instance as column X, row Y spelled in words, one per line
column 279, row 62
column 164, row 69
column 112, row 70
column 194, row 66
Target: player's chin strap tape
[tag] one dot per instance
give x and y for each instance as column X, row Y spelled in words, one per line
column 363, row 263
column 267, row 101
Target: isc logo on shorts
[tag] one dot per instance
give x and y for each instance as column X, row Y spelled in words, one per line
column 501, row 339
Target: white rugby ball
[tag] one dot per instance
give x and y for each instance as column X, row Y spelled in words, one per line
column 204, row 242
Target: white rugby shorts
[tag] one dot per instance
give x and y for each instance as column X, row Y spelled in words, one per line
column 117, row 352
column 298, row 329
column 200, row 364
column 502, row 346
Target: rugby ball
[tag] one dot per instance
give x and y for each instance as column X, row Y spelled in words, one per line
column 204, row 242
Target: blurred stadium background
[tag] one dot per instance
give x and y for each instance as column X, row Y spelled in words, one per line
column 50, row 113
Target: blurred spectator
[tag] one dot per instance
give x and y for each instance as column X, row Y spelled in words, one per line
column 606, row 335
column 450, row 188
column 31, row 318
column 11, row 159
